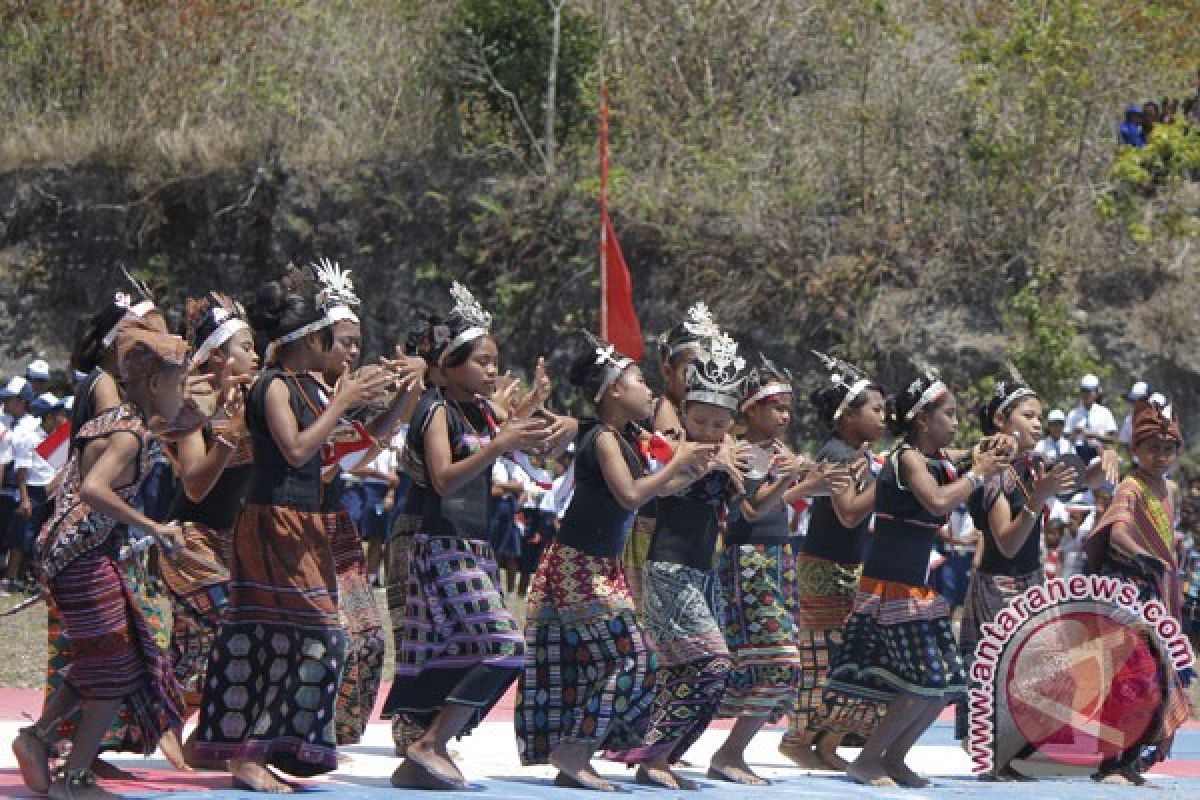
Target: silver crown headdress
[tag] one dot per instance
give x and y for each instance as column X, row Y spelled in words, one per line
column 468, row 317
column 843, row 373
column 608, row 359
column 716, row 377
column 700, row 322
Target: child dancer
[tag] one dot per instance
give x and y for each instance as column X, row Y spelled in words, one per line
column 756, row 574
column 460, row 649
column 589, row 676
column 279, row 653
column 899, row 647
column 676, row 350
column 213, row 466
column 828, row 566
column 1134, row 541
column 114, row 658
column 1007, row 512
column 693, row 659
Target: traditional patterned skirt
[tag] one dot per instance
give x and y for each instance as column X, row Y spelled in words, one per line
column 364, row 631
column 987, row 595
column 825, row 595
column 637, row 549
column 898, row 639
column 759, row 601
column 399, row 556
column 589, row 672
column 272, row 678
column 103, row 644
column 459, row 643
column 693, row 661
column 199, row 592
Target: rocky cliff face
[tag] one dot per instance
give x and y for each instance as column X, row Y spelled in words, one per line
column 405, row 230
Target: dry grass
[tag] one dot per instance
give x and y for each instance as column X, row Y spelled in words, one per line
column 24, row 662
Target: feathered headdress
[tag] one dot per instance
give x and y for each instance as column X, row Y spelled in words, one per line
column 926, row 388
column 698, row 328
column 1009, row 392
column 466, row 322
column 336, row 294
column 138, row 307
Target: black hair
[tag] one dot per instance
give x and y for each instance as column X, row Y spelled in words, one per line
column 586, row 374
column 1004, row 391
column 673, row 344
column 282, row 307
column 901, row 404
column 827, row 399
column 89, row 347
column 461, row 354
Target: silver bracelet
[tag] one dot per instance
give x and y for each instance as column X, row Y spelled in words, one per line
column 976, row 479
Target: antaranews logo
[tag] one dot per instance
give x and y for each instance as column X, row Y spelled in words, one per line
column 1071, row 669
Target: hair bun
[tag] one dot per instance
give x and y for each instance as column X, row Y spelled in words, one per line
column 267, row 309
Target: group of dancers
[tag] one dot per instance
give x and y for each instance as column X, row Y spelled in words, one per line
column 673, row 593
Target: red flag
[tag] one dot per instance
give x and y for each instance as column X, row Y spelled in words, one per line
column 55, row 447
column 618, row 319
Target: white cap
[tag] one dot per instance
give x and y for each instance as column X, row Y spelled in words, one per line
column 38, row 370
column 1089, row 383
column 44, row 404
column 1139, row 390
column 68, row 402
column 1056, row 415
column 17, row 387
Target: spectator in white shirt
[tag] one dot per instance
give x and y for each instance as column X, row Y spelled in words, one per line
column 38, row 375
column 508, row 482
column 1090, row 425
column 1055, row 445
column 17, row 395
column 32, row 475
column 1139, row 390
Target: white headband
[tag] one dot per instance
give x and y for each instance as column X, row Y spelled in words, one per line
column 613, row 369
column 858, row 388
column 223, row 333
column 935, row 390
column 1024, row 391
column 333, row 316
column 469, row 335
column 140, row 310
column 769, row 390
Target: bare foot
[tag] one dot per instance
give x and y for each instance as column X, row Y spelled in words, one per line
column 902, row 775
column 869, row 773
column 734, row 770
column 107, row 771
column 803, row 756
column 587, row 779
column 659, row 775
column 80, row 786
column 255, row 777
column 172, row 750
column 412, row 775
column 33, row 760
column 826, row 750
column 436, row 761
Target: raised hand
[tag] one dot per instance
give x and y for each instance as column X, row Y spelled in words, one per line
column 1047, row 483
column 987, row 463
column 530, row 433
column 356, row 389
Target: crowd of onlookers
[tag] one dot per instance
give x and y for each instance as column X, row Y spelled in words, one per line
column 1141, row 118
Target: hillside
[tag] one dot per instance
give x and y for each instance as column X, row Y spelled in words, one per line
column 887, row 180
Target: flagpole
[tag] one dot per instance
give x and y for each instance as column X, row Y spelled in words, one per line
column 603, row 210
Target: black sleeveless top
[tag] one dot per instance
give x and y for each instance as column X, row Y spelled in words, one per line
column 1029, row 558
column 770, row 526
column 273, row 481
column 595, row 523
column 471, row 425
column 827, row 538
column 686, row 524
column 904, row 529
